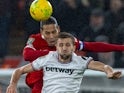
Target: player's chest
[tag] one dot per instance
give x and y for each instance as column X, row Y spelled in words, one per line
column 69, row 69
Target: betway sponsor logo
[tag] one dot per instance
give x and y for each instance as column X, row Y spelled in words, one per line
column 61, row 70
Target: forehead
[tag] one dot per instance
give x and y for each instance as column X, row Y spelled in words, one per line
column 64, row 40
column 49, row 27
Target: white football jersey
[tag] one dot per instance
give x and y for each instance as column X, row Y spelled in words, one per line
column 61, row 77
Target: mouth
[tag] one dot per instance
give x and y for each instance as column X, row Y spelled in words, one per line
column 65, row 52
column 52, row 41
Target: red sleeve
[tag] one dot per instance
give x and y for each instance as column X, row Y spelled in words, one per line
column 30, row 54
column 102, row 47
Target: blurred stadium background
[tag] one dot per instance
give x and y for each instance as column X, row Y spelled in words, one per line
column 16, row 25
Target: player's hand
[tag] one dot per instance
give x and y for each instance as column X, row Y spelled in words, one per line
column 11, row 89
column 114, row 75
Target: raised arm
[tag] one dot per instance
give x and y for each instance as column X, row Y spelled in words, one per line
column 16, row 76
column 99, row 66
column 102, row 47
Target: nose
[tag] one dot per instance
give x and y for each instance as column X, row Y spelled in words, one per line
column 64, row 47
column 51, row 36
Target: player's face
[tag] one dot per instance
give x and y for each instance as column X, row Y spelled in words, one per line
column 50, row 33
column 65, row 48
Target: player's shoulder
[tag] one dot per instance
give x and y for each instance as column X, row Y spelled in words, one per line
column 49, row 55
column 81, row 58
column 76, row 57
column 35, row 35
column 32, row 38
column 86, row 58
column 53, row 53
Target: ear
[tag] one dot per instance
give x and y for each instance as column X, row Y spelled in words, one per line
column 41, row 30
column 58, row 28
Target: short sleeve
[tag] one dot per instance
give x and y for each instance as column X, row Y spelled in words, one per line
column 39, row 63
column 86, row 61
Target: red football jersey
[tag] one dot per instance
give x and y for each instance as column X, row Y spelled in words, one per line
column 37, row 46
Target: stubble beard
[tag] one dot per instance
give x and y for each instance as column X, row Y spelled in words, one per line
column 65, row 57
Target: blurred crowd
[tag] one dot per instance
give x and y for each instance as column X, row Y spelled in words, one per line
column 88, row 20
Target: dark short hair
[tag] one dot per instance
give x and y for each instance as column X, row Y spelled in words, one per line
column 63, row 35
column 51, row 20
column 97, row 12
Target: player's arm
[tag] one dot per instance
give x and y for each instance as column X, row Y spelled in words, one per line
column 16, row 76
column 31, row 54
column 98, row 46
column 102, row 47
column 99, row 66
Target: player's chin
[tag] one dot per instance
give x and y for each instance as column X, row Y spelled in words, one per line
column 52, row 44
